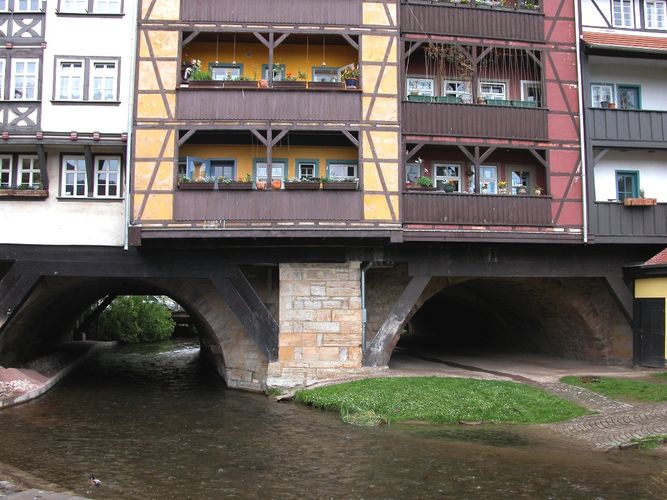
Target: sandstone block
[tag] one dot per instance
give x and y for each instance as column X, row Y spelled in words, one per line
column 297, row 340
column 322, row 326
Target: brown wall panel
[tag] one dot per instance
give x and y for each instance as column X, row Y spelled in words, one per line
column 627, row 125
column 615, row 219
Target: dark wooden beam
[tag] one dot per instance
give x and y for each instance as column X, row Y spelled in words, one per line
column 379, row 352
column 269, row 158
column 599, row 156
column 538, row 157
column 487, row 153
column 411, row 152
column 92, row 317
column 622, row 294
column 280, row 40
column 279, row 137
column 534, row 57
column 351, row 138
column 90, row 170
column 190, row 37
column 15, row 287
column 43, row 171
column 468, row 154
column 413, row 46
column 186, row 136
column 349, row 39
column 259, row 136
column 261, row 38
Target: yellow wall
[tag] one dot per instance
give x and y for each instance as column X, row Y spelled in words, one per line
column 252, row 56
column 652, row 288
column 245, row 155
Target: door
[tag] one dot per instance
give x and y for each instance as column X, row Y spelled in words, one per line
column 650, row 332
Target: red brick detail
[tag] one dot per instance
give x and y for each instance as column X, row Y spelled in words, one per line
column 658, row 260
column 618, row 40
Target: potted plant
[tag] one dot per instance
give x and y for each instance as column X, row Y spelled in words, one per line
column 522, row 190
column 276, row 183
column 291, row 81
column 260, row 184
column 242, row 82
column 199, row 183
column 449, row 187
column 351, row 77
column 502, row 187
column 642, row 201
column 227, row 184
column 198, row 77
column 340, row 184
column 422, row 183
column 537, row 191
column 36, row 190
column 304, row 183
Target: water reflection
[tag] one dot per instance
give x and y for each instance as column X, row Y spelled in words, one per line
column 152, row 422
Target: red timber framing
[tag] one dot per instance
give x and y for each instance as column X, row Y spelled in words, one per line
column 556, row 147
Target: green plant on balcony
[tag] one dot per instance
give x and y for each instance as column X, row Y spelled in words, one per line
column 537, row 191
column 502, row 187
column 351, row 76
column 425, row 182
column 30, row 187
column 199, row 75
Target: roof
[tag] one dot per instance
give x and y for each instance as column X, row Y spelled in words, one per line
column 658, row 260
column 614, row 40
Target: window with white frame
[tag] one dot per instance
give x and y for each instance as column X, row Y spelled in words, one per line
column 106, row 6
column 4, row 5
column 326, row 74
column 601, row 94
column 447, row 173
column 488, row 179
column 654, row 13
column 29, row 173
column 420, row 86
column 531, row 91
column 457, row 88
column 277, row 170
column 493, row 91
column 27, row 5
column 341, row 170
column 74, row 6
column 104, row 79
column 306, row 169
column 2, row 79
column 5, row 171
column 75, row 180
column 70, row 80
column 622, row 13
column 24, row 79
column 521, row 180
column 107, row 176
column 225, row 72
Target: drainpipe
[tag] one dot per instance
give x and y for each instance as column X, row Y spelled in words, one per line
column 130, row 128
column 364, row 268
column 582, row 109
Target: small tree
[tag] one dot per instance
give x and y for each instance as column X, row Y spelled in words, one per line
column 134, row 319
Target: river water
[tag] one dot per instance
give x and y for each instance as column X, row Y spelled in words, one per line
column 153, row 423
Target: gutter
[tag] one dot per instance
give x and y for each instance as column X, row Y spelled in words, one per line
column 364, row 268
column 582, row 136
column 130, row 127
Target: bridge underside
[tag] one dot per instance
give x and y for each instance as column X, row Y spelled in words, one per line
column 293, row 315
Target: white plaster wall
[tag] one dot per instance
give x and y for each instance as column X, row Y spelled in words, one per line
column 88, row 36
column 595, row 19
column 652, row 169
column 62, row 222
column 650, row 75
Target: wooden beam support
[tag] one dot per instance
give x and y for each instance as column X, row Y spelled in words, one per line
column 538, row 157
column 379, row 352
column 92, row 317
column 349, row 40
column 279, row 137
column 280, row 40
column 487, row 153
column 599, row 156
column 186, row 136
column 261, row 38
column 90, row 170
column 351, row 138
column 468, row 154
column 15, row 287
column 189, row 38
column 413, row 46
column 269, row 158
column 43, row 171
column 270, row 69
column 259, row 136
column 534, row 57
column 622, row 294
column 411, row 152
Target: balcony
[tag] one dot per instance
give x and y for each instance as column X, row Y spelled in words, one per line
column 482, row 19
column 473, row 120
column 616, row 222
column 318, row 12
column 627, row 127
column 476, row 209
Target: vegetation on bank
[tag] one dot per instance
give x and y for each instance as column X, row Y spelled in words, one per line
column 134, row 319
column 653, row 389
column 651, row 442
column 439, row 400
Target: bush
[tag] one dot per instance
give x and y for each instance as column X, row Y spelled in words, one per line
column 134, row 319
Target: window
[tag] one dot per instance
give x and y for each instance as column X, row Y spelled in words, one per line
column 222, row 168
column 420, row 86
column 326, row 74
column 27, row 5
column 29, row 174
column 225, row 71
column 493, row 91
column 306, row 169
column 104, row 76
column 447, row 174
column 70, row 80
column 2, row 78
column 5, row 171
column 278, row 72
column 628, row 97
column 75, row 182
column 412, row 172
column 3, row 5
column 74, row 6
column 106, row 6
column 520, row 180
column 342, row 170
column 107, row 176
column 531, row 91
column 622, row 13
column 24, row 79
column 655, row 14
column 488, row 179
column 601, row 95
column 277, row 170
column 457, row 88
column 627, row 184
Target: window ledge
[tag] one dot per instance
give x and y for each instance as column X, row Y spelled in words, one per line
column 89, row 14
column 65, row 102
column 36, row 194
column 88, row 199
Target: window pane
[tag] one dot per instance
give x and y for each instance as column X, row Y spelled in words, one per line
column 420, row 86
column 104, row 81
column 5, row 171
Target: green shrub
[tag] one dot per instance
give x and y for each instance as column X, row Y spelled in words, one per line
column 134, row 319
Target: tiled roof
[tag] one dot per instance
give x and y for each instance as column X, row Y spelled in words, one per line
column 658, row 260
column 649, row 43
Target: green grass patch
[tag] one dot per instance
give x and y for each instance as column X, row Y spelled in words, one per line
column 439, row 400
column 623, row 388
column 661, row 376
column 651, row 442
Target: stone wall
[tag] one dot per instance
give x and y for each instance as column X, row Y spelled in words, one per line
column 320, row 324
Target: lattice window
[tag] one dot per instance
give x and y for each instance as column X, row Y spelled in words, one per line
column 107, row 176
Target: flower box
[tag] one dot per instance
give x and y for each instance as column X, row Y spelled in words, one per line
column 240, row 84
column 234, row 186
column 301, row 186
column 419, row 188
column 341, row 185
column 289, row 84
column 639, row 202
column 24, row 193
column 200, row 186
column 326, row 85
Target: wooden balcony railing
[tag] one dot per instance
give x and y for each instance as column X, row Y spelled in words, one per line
column 476, row 209
column 627, row 125
column 320, row 12
column 617, row 220
column 278, row 205
column 268, row 104
column 471, row 120
column 463, row 19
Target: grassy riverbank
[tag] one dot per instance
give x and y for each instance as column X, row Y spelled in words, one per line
column 650, row 389
column 439, row 400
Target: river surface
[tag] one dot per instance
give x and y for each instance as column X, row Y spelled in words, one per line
column 153, row 423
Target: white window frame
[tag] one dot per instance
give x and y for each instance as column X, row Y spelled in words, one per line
column 73, row 6
column 657, row 11
column 6, row 170
column 493, row 96
column 4, row 5
column 513, row 188
column 3, row 63
column 76, row 74
column 108, row 175
column 525, row 84
column 351, row 170
column 75, row 173
column 226, row 72
column 107, row 3
column 625, row 20
column 32, row 171
column 446, row 178
column 490, row 180
column 14, row 74
column 597, row 102
column 278, row 169
column 30, row 6
column 465, row 94
column 328, row 74
column 308, row 164
column 422, row 86
column 91, row 80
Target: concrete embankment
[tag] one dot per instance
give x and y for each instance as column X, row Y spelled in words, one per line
column 16, row 484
